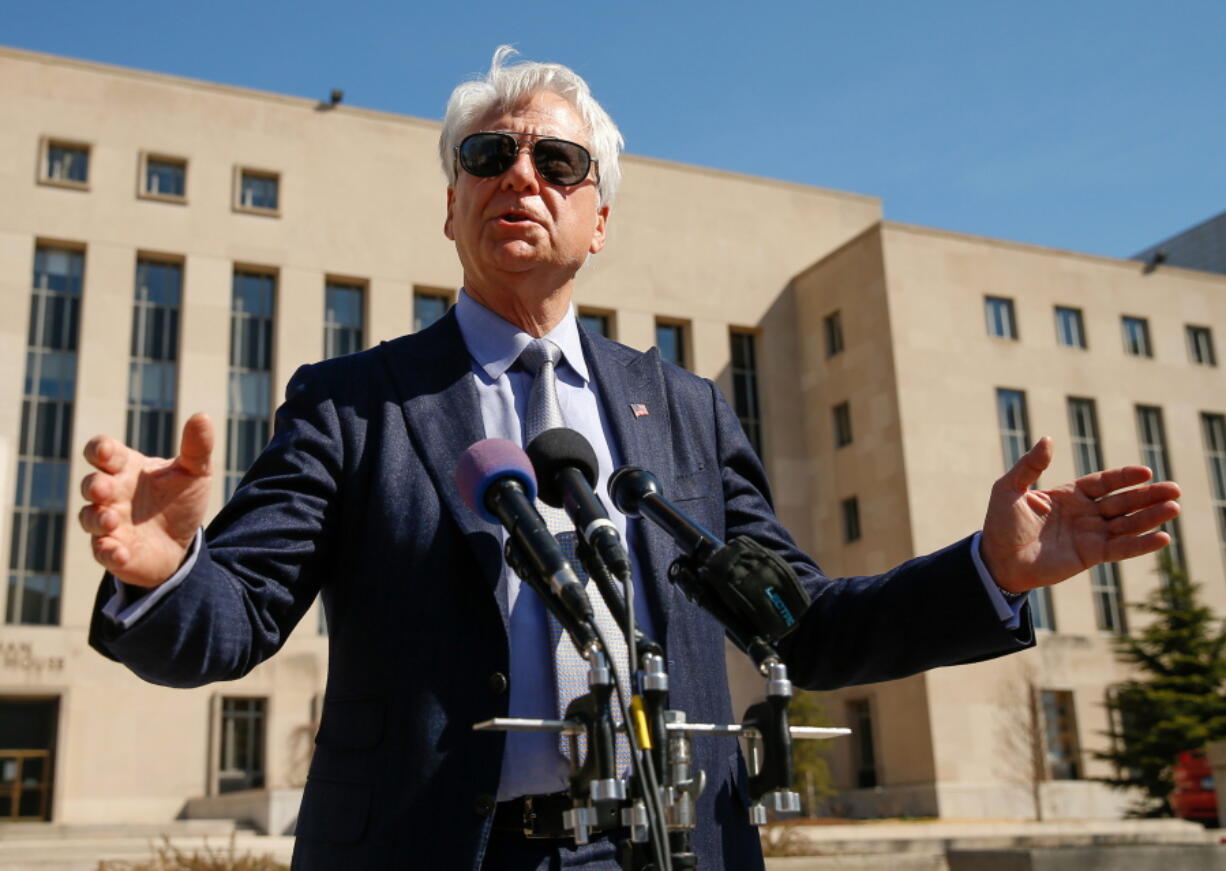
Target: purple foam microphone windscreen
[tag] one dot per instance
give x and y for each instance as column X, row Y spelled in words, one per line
column 486, row 462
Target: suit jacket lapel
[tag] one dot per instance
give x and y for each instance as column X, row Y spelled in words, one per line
column 630, row 386
column 443, row 415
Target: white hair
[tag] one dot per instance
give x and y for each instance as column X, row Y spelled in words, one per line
column 505, row 87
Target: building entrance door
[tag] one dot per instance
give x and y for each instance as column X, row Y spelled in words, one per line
column 27, row 747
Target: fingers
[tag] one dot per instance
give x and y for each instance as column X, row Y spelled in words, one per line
column 196, row 446
column 1099, row 484
column 1128, row 501
column 104, row 453
column 1126, row 548
column 98, row 519
column 1030, row 465
column 1140, row 521
column 110, row 554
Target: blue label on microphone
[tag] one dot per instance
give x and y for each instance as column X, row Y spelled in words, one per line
column 773, row 595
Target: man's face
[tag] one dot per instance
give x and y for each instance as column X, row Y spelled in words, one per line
column 516, row 229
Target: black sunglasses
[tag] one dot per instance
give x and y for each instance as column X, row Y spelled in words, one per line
column 559, row 162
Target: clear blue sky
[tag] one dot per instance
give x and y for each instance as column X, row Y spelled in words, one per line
column 1096, row 126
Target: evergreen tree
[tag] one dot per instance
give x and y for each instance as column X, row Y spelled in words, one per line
column 1177, row 702
column 810, row 770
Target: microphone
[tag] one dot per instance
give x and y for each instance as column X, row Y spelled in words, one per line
column 566, row 472
column 495, row 480
column 637, row 492
column 749, row 588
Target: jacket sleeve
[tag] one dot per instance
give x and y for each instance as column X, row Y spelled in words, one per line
column 262, row 562
column 927, row 612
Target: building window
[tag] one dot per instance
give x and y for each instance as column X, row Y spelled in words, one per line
column 745, row 386
column 153, row 367
column 1105, row 587
column 257, row 191
column 1214, row 426
column 1151, row 433
column 597, row 323
column 1070, row 329
column 429, row 306
column 253, row 298
column 1200, row 346
column 851, row 519
column 1060, row 732
column 1042, row 611
column 999, row 314
column 241, row 750
column 343, row 319
column 1014, row 425
column 841, row 414
column 864, row 756
column 670, row 339
column 163, row 178
column 64, row 163
column 37, row 545
column 1083, row 428
column 832, row 327
column 1108, row 596
column 1136, row 336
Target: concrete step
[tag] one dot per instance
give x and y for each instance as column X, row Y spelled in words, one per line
column 55, row 831
column 84, row 853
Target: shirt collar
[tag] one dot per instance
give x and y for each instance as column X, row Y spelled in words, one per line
column 495, row 344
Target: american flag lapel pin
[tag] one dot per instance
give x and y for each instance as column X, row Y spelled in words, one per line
column 638, row 409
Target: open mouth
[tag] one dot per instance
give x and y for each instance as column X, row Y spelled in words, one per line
column 515, row 217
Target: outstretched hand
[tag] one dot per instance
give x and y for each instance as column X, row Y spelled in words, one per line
column 144, row 511
column 1035, row 538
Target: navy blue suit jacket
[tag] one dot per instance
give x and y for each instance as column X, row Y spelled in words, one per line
column 354, row 497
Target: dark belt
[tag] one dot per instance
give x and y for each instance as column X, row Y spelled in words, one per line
column 534, row 816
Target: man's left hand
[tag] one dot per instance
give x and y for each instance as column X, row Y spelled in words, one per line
column 1035, row 538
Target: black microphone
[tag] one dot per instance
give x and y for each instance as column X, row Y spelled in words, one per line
column 566, row 472
column 749, row 588
column 495, row 480
column 637, row 493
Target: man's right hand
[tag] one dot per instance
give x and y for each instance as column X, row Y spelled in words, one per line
column 143, row 512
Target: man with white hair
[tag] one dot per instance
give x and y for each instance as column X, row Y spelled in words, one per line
column 429, row 631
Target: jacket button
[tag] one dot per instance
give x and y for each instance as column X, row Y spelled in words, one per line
column 484, row 804
column 497, row 683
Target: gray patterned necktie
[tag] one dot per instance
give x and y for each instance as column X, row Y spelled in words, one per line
column 541, row 358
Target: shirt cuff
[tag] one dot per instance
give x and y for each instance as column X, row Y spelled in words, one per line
column 1008, row 609
column 124, row 608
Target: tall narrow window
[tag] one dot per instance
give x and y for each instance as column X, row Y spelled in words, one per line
column 1214, row 426
column 1105, row 585
column 428, row 307
column 37, row 546
column 851, row 519
column 1136, row 336
column 343, row 319
column 1060, row 731
column 832, row 328
column 998, row 312
column 864, row 756
column 241, row 748
column 1014, row 424
column 1151, row 433
column 670, row 339
column 1200, row 346
column 253, row 299
column 152, row 371
column 1070, row 329
column 841, row 415
column 745, row 386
